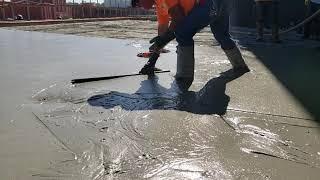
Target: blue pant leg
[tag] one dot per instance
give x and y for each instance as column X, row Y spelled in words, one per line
column 196, row 20
column 220, row 30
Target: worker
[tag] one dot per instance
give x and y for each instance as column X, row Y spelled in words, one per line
column 312, row 7
column 263, row 8
column 182, row 19
column 163, row 24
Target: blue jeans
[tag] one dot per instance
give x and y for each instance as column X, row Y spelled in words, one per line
column 199, row 18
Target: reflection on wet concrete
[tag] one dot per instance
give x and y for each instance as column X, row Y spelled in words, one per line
column 128, row 143
column 116, row 143
column 162, row 133
column 211, row 99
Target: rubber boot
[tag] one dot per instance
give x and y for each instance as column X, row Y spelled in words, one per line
column 237, row 61
column 275, row 34
column 185, row 66
column 259, row 32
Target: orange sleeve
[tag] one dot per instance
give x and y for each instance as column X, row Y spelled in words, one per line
column 162, row 13
column 171, row 3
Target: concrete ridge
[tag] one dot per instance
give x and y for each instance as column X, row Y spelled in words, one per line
column 48, row 22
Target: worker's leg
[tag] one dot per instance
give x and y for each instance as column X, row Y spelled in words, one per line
column 275, row 21
column 307, row 26
column 260, row 9
column 197, row 19
column 315, row 22
column 220, row 30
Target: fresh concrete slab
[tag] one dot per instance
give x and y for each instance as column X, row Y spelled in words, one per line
column 140, row 127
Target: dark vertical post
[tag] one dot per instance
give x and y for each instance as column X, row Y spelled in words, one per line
column 42, row 11
column 90, row 10
column 72, row 10
column 54, row 9
column 28, row 10
column 82, row 9
column 3, row 11
column 12, row 10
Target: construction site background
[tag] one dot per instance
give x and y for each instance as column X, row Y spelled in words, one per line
column 60, row 9
column 243, row 14
column 291, row 12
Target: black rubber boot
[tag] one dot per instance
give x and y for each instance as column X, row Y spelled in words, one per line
column 259, row 32
column 185, row 66
column 237, row 61
column 275, row 34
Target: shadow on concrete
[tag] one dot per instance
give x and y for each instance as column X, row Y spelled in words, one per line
column 298, row 69
column 211, row 99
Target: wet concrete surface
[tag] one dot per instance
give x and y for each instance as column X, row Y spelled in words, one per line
column 126, row 29
column 248, row 127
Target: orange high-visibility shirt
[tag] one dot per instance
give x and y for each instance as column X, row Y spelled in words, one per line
column 163, row 7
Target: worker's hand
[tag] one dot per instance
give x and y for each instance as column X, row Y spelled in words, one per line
column 149, row 67
column 154, row 46
column 161, row 41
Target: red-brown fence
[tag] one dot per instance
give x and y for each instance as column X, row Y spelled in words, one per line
column 41, row 11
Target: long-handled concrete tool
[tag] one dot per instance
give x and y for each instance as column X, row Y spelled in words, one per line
column 84, row 80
